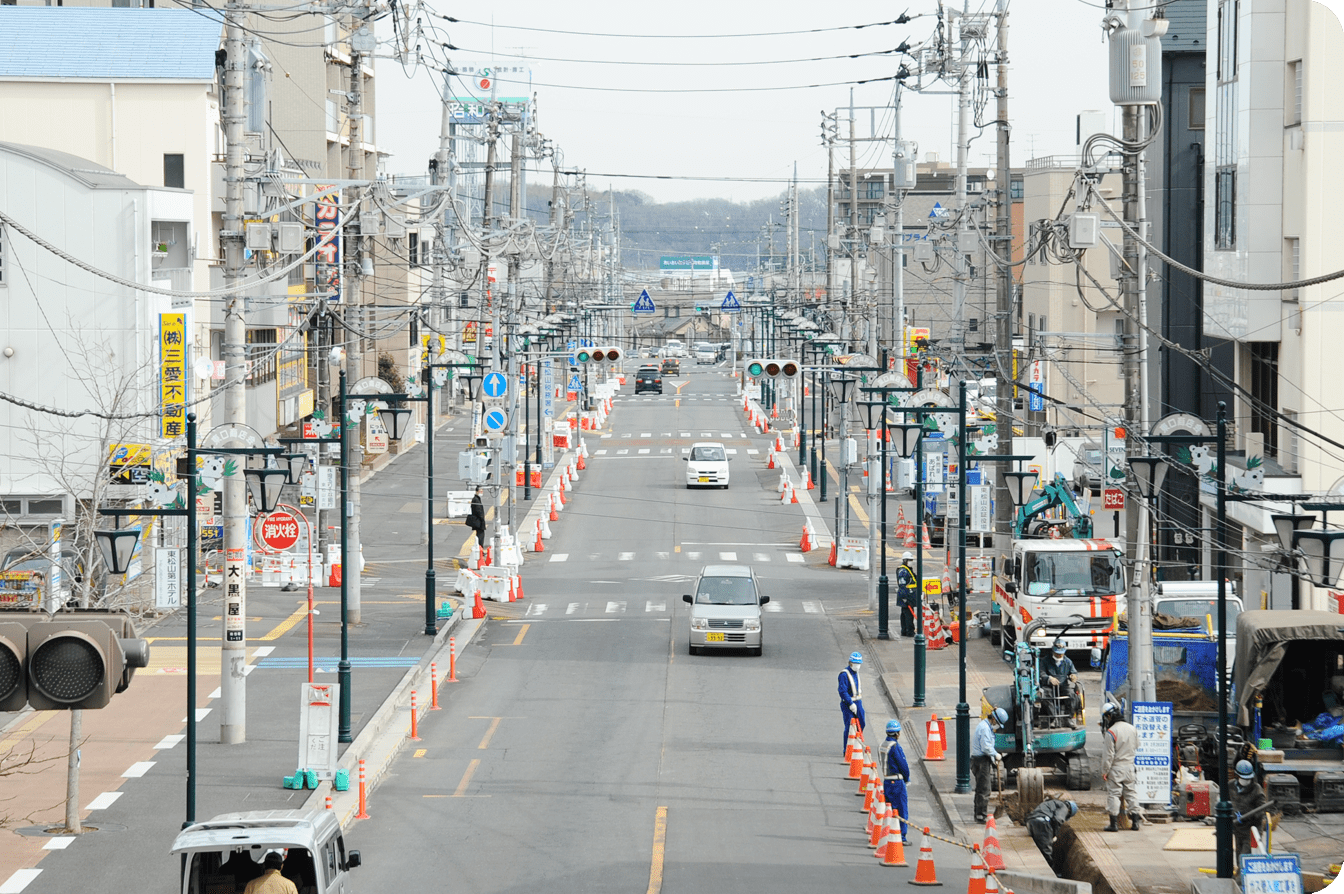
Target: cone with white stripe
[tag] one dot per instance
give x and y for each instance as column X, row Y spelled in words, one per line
column 925, row 872
column 891, row 850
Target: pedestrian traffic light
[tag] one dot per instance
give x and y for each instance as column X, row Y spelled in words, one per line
column 773, row 368
column 476, row 466
column 77, row 659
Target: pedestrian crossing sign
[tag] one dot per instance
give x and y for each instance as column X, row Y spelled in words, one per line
column 643, row 304
column 730, row 303
column 574, row 383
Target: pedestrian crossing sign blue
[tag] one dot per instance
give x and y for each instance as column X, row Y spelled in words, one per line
column 643, row 304
column 938, row 210
column 730, row 302
column 574, row 383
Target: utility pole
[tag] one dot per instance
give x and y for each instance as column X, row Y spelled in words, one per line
column 353, row 288
column 1003, row 318
column 441, row 170
column 515, row 214
column 828, row 138
column 233, row 654
column 487, row 299
column 964, row 72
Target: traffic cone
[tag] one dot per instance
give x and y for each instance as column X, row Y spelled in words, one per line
column 877, row 828
column 582, row 465
column 909, row 541
column 555, row 513
column 976, row 883
column 806, row 543
column 774, row 412
column 512, row 597
column 933, row 750
column 925, row 872
column 771, row 463
column 831, row 560
column 992, row 852
column 793, row 494
column 779, row 443
column 478, row 607
column 892, row 850
column 900, row 521
column 538, row 547
column 852, row 746
column 992, row 884
column 856, row 763
column 866, row 785
column 926, row 544
column 520, row 586
column 807, row 477
column 784, row 494
column 560, row 489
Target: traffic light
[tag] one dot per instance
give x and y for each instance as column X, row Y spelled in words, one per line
column 77, row 659
column 476, row 466
column 773, row 368
column 599, row 354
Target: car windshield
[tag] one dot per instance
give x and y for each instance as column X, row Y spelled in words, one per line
column 726, row 591
column 1074, row 572
column 1199, row 607
column 707, row 454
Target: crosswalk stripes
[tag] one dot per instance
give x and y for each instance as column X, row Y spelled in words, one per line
column 759, row 557
column 651, row 606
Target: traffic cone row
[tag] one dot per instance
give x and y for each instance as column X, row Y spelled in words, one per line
column 808, row 484
column 538, row 547
column 807, row 542
column 770, row 458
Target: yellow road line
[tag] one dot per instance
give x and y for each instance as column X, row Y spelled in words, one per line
column 858, row 508
column 522, row 632
column 466, row 778
column 494, row 725
column 659, row 850
column 287, row 624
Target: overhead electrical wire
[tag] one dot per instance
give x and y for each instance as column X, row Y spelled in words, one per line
column 901, row 20
column 654, row 62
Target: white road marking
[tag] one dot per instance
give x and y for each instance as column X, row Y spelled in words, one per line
column 773, row 606
column 571, row 608
column 615, row 607
column 59, row 844
column 665, row 450
column 217, row 693
column 685, row 450
column 663, row 555
column 627, row 434
column 137, row 769
column 693, row 556
column 811, row 608
column 752, row 451
column 655, row 606
column 593, row 557
column 726, row 435
column 685, row 434
column 761, row 557
column 795, row 557
column 604, row 437
column 200, row 713
column 262, row 651
column 535, row 609
column 728, row 557
column 19, row 880
column 622, row 452
column 643, row 450
column 706, row 434
column 168, row 742
column 103, row 801
column 646, row 434
column 731, row 451
column 667, row 434
column 560, row 557
column 625, row 557
column 601, row 452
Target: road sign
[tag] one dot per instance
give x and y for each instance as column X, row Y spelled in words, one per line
column 495, row 420
column 280, row 530
column 574, row 383
column 643, row 304
column 495, row 386
column 1112, row 498
column 1152, row 764
column 730, row 303
column 1036, row 393
column 1277, row 873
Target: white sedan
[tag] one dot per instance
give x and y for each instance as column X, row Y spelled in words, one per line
column 707, row 465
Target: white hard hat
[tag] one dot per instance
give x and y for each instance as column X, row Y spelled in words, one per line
column 907, row 556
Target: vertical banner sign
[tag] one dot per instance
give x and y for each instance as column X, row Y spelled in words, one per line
column 326, row 487
column 547, row 412
column 318, row 727
column 55, row 584
column 173, row 375
column 168, row 578
column 1152, row 761
column 1036, row 394
column 234, row 574
column 327, row 261
column 982, row 519
column 935, row 471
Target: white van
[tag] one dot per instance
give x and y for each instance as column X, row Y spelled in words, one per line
column 225, row 853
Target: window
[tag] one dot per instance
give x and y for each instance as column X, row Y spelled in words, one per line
column 1196, row 109
column 1016, row 190
column 1295, row 99
column 1227, row 40
column 413, row 248
column 20, row 506
column 1293, row 255
column 875, row 189
column 1264, row 358
column 261, row 356
column 1225, row 208
column 174, row 176
column 1290, row 455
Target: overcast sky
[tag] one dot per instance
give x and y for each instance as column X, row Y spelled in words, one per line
column 608, row 109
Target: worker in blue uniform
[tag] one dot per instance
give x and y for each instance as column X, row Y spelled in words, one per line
column 905, row 594
column 851, row 699
column 895, row 775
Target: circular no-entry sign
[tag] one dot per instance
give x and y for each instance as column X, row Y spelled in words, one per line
column 280, row 530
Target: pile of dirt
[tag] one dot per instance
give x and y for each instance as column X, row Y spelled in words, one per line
column 1184, row 697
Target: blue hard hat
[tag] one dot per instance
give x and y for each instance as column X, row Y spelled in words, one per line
column 1059, row 646
column 1073, row 808
column 855, row 658
column 1245, row 770
column 1000, row 715
column 893, row 726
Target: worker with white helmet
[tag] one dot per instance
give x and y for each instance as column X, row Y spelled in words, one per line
column 906, row 593
column 1121, row 744
column 851, row 699
column 983, row 758
column 895, row 775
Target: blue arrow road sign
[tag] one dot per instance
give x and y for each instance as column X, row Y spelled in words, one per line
column 730, row 302
column 643, row 304
column 495, row 384
column 496, row 420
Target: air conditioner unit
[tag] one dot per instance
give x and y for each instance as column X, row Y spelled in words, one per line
column 259, row 236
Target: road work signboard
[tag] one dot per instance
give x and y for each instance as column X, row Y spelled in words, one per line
column 318, row 728
column 1152, row 761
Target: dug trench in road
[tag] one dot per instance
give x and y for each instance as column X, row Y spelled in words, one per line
column 581, row 727
column 141, row 730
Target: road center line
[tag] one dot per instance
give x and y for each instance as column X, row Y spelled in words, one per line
column 494, row 725
column 522, row 632
column 659, row 848
column 466, row 777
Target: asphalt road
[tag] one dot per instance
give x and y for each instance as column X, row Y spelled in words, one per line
column 585, row 750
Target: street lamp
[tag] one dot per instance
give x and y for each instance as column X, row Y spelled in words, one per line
column 1288, row 526
column 1020, row 485
column 117, row 547
column 397, row 419
column 1322, row 555
column 1149, row 473
column 842, row 387
column 876, row 412
column 295, row 464
column 265, row 486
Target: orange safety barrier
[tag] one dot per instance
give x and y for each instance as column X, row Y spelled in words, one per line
column 452, row 659
column 415, row 729
column 434, row 687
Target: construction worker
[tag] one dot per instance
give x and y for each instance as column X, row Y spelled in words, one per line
column 1121, row 743
column 851, row 699
column 1247, row 795
column 984, row 757
column 1059, row 685
column 271, row 881
column 895, row 775
column 905, row 594
column 1044, row 824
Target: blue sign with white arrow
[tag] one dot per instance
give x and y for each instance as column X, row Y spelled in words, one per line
column 643, row 304
column 495, row 385
column 730, row 303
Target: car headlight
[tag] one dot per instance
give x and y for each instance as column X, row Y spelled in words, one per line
column 699, row 623
column 753, row 625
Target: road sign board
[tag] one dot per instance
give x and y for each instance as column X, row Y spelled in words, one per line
column 495, row 420
column 1277, row 873
column 574, row 383
column 495, row 385
column 643, row 304
column 1113, row 498
column 280, row 530
column 730, row 302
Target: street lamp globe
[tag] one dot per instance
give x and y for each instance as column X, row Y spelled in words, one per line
column 1149, row 473
column 1020, row 485
column 1322, row 555
column 265, row 486
column 1287, row 526
column 117, row 548
column 908, row 435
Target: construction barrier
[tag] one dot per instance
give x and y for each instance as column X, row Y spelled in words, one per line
column 852, row 553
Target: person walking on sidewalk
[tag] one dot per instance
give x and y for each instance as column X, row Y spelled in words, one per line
column 984, row 757
column 895, row 775
column 476, row 520
column 1059, row 680
column 271, row 881
column 851, row 699
column 1044, row 824
column 1121, row 743
column 1247, row 795
column 905, row 594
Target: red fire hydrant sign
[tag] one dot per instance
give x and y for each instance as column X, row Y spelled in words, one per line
column 280, row 530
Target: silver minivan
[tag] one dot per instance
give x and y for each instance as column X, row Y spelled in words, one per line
column 225, row 853
column 726, row 609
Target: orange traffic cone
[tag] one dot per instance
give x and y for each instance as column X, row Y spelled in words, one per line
column 976, row 883
column 856, row 763
column 774, row 412
column 853, row 745
column 892, row 850
column 831, row 560
column 926, row 544
column 779, row 443
column 909, row 541
column 925, row 872
column 555, row 513
column 537, row 547
column 807, row 477
column 793, row 494
column 871, row 782
column 582, row 465
column 933, row 751
column 806, row 543
column 991, row 850
column 992, row 884
column 877, row 828
column 478, row 608
column 771, row 463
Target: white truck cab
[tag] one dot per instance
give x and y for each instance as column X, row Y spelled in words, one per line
column 225, row 853
column 1058, row 582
